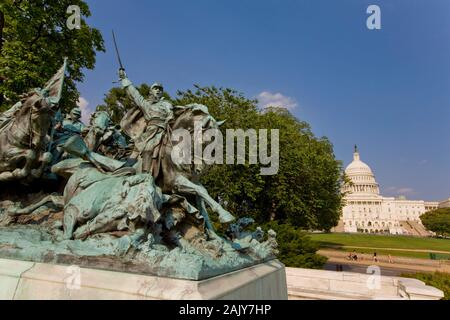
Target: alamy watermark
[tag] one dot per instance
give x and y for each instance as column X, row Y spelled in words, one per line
column 73, row 280
column 374, row 20
column 74, row 20
column 374, row 280
column 189, row 149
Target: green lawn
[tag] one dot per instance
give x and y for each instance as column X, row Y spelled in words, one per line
column 380, row 241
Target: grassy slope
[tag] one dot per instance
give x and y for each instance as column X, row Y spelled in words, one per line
column 378, row 241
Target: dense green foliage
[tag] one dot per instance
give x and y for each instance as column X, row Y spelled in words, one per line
column 36, row 39
column 295, row 247
column 306, row 190
column 438, row 280
column 437, row 221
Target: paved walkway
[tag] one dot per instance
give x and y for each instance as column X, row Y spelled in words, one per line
column 392, row 249
column 401, row 263
column 385, row 271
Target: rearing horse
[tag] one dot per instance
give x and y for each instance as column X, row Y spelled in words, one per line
column 183, row 179
column 23, row 140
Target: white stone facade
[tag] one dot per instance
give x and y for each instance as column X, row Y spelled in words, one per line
column 367, row 211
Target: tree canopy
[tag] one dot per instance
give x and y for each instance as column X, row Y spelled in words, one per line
column 36, row 39
column 437, row 221
column 306, row 190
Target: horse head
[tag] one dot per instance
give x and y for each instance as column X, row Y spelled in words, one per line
column 32, row 121
column 196, row 119
column 182, row 177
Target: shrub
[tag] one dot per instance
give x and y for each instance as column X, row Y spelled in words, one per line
column 296, row 249
column 437, row 221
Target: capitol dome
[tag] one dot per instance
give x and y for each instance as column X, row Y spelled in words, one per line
column 357, row 166
column 361, row 176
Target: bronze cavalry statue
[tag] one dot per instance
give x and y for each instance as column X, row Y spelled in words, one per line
column 123, row 194
column 24, row 129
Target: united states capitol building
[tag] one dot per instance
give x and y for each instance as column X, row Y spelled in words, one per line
column 367, row 211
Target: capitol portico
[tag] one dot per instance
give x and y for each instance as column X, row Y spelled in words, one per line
column 367, row 211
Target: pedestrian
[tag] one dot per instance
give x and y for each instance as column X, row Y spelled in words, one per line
column 375, row 257
column 390, row 259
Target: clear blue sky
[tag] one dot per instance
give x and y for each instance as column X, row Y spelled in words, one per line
column 387, row 90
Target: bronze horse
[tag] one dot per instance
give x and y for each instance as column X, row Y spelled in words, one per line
column 23, row 139
column 183, row 179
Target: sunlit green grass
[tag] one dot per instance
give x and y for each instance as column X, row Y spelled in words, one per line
column 336, row 240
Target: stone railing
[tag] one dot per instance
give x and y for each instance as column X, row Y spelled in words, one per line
column 332, row 285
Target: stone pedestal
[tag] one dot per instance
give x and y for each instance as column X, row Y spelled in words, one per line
column 20, row 280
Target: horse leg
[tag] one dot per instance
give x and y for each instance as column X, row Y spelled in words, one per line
column 9, row 166
column 103, row 222
column 67, row 168
column 44, row 160
column 209, row 227
column 70, row 220
column 6, row 176
column 30, row 157
column 185, row 186
column 57, row 201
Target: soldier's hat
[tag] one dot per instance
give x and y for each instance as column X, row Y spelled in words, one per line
column 157, row 85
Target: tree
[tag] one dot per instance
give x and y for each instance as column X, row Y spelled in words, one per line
column 2, row 25
column 306, row 190
column 437, row 221
column 36, row 41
